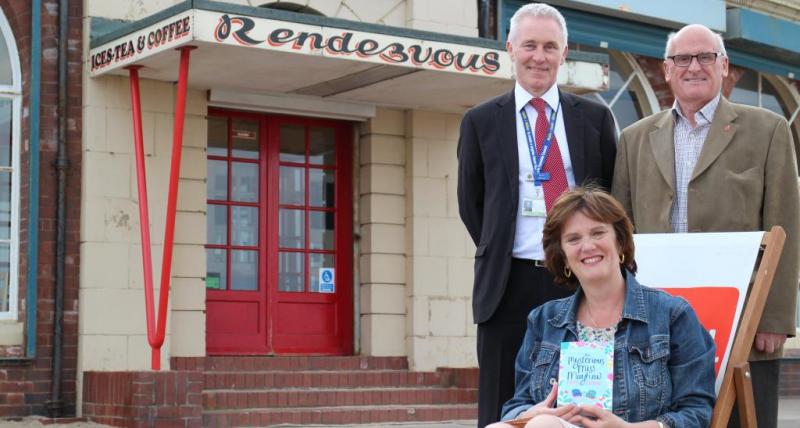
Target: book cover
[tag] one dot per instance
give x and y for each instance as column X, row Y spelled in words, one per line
column 586, row 374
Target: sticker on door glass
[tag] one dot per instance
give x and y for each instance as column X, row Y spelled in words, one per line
column 326, row 280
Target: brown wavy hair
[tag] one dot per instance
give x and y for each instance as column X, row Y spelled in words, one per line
column 596, row 204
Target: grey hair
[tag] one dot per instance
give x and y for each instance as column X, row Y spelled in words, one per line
column 537, row 10
column 672, row 35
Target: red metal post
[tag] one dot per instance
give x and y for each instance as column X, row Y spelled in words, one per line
column 172, row 199
column 156, row 333
column 144, row 216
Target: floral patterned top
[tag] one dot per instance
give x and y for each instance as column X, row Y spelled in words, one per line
column 592, row 334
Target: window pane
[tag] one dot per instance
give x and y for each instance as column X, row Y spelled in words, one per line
column 244, row 270
column 293, row 143
column 217, row 184
column 322, row 148
column 244, row 226
column 244, row 142
column 218, row 136
column 6, row 76
column 217, row 224
column 291, row 228
column 290, row 272
column 216, row 275
column 317, row 261
column 321, row 187
column 770, row 99
column 292, row 186
column 245, row 182
column 5, row 132
column 320, row 230
column 746, row 89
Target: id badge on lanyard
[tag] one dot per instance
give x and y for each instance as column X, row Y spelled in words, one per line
column 533, row 205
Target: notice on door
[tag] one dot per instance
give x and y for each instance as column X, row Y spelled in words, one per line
column 327, row 280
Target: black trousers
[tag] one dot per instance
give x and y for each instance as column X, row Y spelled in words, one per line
column 500, row 337
column 765, row 377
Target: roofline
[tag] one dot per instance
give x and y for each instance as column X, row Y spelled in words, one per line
column 104, row 30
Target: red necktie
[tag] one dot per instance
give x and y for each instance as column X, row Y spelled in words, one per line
column 557, row 183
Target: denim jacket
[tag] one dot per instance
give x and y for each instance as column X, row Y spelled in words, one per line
column 663, row 358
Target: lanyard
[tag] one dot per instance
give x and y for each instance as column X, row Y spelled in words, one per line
column 538, row 160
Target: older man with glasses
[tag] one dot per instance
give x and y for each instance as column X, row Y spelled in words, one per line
column 709, row 165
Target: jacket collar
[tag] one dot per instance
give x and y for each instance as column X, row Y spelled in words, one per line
column 633, row 309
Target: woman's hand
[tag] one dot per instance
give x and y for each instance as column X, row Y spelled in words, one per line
column 546, row 407
column 595, row 417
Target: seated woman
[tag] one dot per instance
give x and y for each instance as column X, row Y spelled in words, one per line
column 663, row 358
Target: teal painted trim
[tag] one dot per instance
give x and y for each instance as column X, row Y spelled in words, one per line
column 31, row 300
column 763, row 29
column 763, row 64
column 106, row 30
column 650, row 40
column 596, row 30
column 671, row 14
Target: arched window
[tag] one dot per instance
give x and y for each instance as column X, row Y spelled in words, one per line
column 770, row 92
column 629, row 95
column 10, row 110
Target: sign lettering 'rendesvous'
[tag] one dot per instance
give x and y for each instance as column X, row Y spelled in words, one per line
column 348, row 43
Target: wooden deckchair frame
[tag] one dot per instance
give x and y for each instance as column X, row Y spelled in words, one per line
column 736, row 384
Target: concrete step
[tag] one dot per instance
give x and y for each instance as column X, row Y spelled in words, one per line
column 339, row 415
column 320, row 379
column 319, row 397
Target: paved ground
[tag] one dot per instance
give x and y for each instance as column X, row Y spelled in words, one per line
column 789, row 418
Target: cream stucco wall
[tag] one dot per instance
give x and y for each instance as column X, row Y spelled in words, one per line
column 415, row 258
column 112, row 322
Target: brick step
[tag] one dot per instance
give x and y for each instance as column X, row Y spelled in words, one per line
column 304, row 363
column 280, row 398
column 321, row 379
column 339, row 415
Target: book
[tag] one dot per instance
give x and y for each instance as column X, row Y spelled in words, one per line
column 586, row 374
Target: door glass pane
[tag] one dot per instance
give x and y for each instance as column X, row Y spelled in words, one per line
column 291, row 228
column 321, row 187
column 5, row 132
column 320, row 230
column 217, row 224
column 217, row 184
column 216, row 275
column 244, row 270
column 292, row 186
column 322, row 147
column 245, row 182
column 244, row 141
column 293, row 143
column 317, row 261
column 218, row 136
column 290, row 272
column 244, row 226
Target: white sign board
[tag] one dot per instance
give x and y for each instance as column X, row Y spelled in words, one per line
column 710, row 270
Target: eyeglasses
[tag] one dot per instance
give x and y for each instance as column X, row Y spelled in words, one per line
column 704, row 58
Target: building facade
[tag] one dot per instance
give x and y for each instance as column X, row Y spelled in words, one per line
column 315, row 211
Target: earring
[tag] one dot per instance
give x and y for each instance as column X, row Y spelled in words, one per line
column 622, row 259
column 567, row 272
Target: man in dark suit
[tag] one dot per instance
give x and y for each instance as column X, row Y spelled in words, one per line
column 508, row 178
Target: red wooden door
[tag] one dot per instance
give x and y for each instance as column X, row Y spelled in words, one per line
column 279, row 250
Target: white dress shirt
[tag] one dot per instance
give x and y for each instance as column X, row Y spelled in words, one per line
column 528, row 234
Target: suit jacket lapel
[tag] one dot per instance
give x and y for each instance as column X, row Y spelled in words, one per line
column 506, row 120
column 662, row 143
column 573, row 125
column 719, row 136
